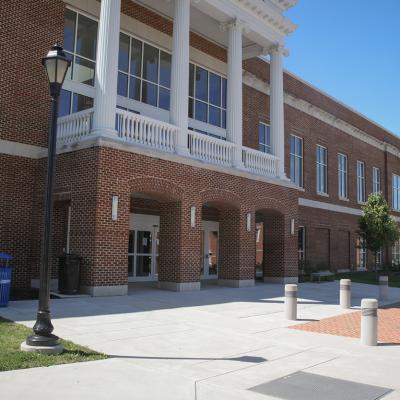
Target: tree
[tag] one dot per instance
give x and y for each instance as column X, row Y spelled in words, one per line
column 376, row 227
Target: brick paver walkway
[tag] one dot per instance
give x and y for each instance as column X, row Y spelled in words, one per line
column 349, row 325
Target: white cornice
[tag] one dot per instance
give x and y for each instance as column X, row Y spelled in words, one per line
column 21, row 149
column 334, row 207
column 304, row 106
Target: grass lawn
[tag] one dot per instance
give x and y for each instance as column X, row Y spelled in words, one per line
column 368, row 277
column 12, row 335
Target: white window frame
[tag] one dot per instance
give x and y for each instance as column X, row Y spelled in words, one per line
column 396, row 192
column 266, row 148
column 322, row 169
column 293, row 157
column 343, row 189
column 361, row 193
column 376, row 180
column 396, row 253
column 302, row 252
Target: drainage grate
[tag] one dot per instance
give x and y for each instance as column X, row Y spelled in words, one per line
column 306, row 386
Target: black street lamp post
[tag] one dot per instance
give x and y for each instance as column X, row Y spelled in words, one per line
column 56, row 65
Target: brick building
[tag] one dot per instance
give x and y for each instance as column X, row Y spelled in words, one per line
column 185, row 152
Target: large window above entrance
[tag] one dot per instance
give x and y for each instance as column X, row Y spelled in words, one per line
column 144, row 72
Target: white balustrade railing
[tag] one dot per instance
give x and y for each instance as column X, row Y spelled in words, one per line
column 146, row 131
column 73, row 127
column 259, row 162
column 162, row 136
column 210, row 149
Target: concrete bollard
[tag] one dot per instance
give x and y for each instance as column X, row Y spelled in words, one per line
column 369, row 322
column 291, row 302
column 345, row 293
column 383, row 287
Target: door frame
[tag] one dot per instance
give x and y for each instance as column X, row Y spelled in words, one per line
column 206, row 227
column 150, row 223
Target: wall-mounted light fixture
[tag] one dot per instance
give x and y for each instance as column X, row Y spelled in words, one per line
column 292, row 226
column 248, row 222
column 193, row 216
column 114, row 208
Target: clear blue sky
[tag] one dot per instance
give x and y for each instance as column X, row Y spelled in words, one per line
column 351, row 50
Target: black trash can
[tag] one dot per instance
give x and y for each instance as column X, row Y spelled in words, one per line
column 68, row 273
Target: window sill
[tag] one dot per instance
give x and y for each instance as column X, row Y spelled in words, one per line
column 344, row 199
column 362, row 203
column 322, row 194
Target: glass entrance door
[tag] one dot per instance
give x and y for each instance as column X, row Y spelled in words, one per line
column 209, row 251
column 143, row 252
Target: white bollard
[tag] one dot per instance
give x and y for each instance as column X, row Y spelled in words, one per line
column 345, row 293
column 369, row 322
column 291, row 302
column 383, row 287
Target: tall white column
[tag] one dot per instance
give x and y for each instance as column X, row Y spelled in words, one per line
column 105, row 99
column 276, row 108
column 234, row 106
column 180, row 73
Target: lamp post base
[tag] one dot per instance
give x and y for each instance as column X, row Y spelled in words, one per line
column 51, row 350
column 49, row 340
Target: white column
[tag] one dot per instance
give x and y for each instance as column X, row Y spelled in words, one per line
column 105, row 99
column 276, row 108
column 180, row 73
column 234, row 107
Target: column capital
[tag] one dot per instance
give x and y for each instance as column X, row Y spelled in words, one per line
column 278, row 48
column 236, row 24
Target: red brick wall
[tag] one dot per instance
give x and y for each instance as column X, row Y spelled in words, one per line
column 103, row 243
column 17, row 182
column 28, row 30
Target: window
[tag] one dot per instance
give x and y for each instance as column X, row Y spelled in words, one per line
column 264, row 135
column 73, row 102
column 296, row 160
column 207, row 96
column 322, row 160
column 361, row 253
column 379, row 258
column 80, row 41
column 396, row 192
column 376, row 180
column 361, row 182
column 342, row 176
column 396, row 253
column 301, row 243
column 144, row 72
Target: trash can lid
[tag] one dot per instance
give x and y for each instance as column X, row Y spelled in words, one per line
column 5, row 256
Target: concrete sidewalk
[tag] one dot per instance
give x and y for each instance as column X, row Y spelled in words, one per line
column 212, row 344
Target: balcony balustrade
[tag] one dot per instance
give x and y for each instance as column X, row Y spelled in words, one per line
column 151, row 133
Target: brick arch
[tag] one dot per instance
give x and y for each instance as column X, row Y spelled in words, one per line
column 220, row 198
column 164, row 189
column 267, row 204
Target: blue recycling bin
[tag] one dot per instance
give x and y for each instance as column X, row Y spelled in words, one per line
column 5, row 279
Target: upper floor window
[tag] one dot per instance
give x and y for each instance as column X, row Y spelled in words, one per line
column 361, row 196
column 207, row 96
column 144, row 72
column 396, row 192
column 396, row 253
column 73, row 102
column 264, row 138
column 342, row 176
column 296, row 160
column 376, row 180
column 322, row 166
column 80, row 41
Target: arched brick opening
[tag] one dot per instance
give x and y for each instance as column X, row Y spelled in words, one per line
column 235, row 265
column 175, row 260
column 276, row 245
